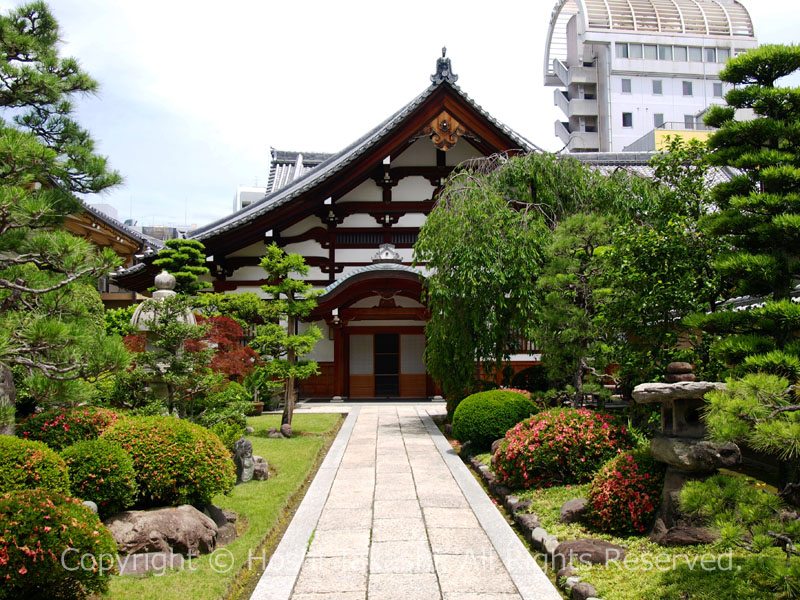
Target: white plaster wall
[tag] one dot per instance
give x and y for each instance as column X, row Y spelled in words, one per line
column 356, row 254
column 462, row 151
column 307, row 248
column 412, row 220
column 252, row 272
column 412, row 189
column 364, row 192
column 360, row 220
column 257, row 249
column 302, row 226
column 420, row 153
column 323, row 349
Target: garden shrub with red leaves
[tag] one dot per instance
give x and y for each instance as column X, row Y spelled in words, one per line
column 40, row 529
column 26, row 464
column 558, row 446
column 176, row 462
column 625, row 494
column 225, row 335
column 101, row 471
column 61, row 428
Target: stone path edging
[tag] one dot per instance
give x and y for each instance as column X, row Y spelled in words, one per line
column 526, row 574
column 278, row 579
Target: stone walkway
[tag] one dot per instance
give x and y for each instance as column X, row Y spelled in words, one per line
column 393, row 513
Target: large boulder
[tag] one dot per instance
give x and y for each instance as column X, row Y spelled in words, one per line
column 590, row 551
column 695, row 456
column 683, row 533
column 646, row 393
column 180, row 530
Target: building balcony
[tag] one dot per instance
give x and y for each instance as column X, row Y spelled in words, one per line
column 656, row 139
column 577, row 141
column 569, row 75
column 575, row 107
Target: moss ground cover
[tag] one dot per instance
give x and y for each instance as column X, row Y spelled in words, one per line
column 652, row 571
column 263, row 507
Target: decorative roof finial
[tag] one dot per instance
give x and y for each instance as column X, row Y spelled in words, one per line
column 444, row 70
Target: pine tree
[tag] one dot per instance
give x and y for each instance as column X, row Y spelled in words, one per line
column 186, row 261
column 51, row 323
column 279, row 342
column 759, row 220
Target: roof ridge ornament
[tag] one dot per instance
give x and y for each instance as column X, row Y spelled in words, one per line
column 444, row 70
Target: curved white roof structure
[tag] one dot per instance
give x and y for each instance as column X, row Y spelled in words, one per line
column 726, row 18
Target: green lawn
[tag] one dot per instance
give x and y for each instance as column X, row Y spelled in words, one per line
column 652, row 571
column 264, row 508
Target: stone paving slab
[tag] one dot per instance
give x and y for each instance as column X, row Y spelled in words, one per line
column 397, row 515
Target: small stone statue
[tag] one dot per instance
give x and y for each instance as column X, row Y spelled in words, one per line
column 243, row 457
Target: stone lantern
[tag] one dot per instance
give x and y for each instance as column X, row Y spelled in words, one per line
column 681, row 446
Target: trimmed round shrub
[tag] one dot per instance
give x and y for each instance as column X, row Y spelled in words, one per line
column 61, row 428
column 176, row 462
column 101, row 471
column 625, row 494
column 486, row 416
column 52, row 547
column 25, row 464
column 558, row 446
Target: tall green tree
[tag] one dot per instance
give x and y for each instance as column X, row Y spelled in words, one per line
column 50, row 317
column 186, row 261
column 570, row 333
column 279, row 341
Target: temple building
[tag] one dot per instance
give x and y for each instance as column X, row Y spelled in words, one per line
column 355, row 216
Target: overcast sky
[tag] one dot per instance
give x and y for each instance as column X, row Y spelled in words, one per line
column 191, row 98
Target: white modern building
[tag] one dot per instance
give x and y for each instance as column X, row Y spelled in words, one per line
column 622, row 68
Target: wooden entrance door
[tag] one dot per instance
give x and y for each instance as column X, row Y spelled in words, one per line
column 386, row 365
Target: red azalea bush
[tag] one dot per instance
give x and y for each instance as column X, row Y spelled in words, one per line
column 26, row 464
column 61, row 428
column 558, row 446
column 625, row 493
column 176, row 462
column 44, row 531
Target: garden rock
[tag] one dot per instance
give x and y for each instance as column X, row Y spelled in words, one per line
column 571, row 582
column 646, row 393
column 527, row 521
column 274, row 433
column 90, row 505
column 537, row 537
column 260, row 468
column 182, row 530
column 226, row 534
column 216, row 513
column 670, row 378
column 286, row 430
column 583, row 591
column 550, row 544
column 496, row 445
column 695, row 456
column 243, row 458
column 592, row 551
column 230, row 516
column 682, row 534
column 573, row 510
column 565, row 573
column 139, row 564
column 679, row 368
column 447, row 428
column 249, row 430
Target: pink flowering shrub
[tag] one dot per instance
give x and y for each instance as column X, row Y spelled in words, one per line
column 558, row 446
column 40, row 528
column 61, row 428
column 625, row 493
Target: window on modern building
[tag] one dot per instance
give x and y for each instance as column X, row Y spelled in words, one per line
column 711, row 55
column 622, row 50
column 627, row 119
column 687, row 88
column 717, row 90
column 658, row 119
column 658, row 87
column 688, row 121
column 681, row 54
column 723, row 55
column 635, row 50
column 695, row 54
column 650, row 52
column 665, row 52
column 626, row 86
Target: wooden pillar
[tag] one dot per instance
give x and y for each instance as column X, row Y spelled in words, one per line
column 339, row 362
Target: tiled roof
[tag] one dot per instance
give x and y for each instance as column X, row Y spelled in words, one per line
column 379, row 267
column 638, row 163
column 146, row 241
column 337, row 162
column 285, row 166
